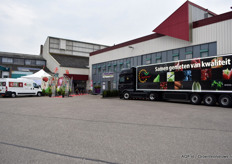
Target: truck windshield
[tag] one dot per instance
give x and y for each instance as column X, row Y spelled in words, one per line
column 125, row 78
column 122, row 79
column 35, row 85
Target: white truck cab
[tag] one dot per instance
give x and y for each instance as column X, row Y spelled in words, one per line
column 19, row 87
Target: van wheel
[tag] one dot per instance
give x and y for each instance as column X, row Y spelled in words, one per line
column 126, row 95
column 210, row 100
column 13, row 95
column 195, row 99
column 39, row 94
column 153, row 96
column 225, row 101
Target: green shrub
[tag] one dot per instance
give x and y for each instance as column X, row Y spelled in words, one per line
column 62, row 91
column 110, row 93
column 43, row 92
column 59, row 92
column 50, row 92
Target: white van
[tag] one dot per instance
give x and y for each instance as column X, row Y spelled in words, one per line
column 19, row 87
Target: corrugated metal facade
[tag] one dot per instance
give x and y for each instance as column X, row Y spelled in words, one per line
column 218, row 32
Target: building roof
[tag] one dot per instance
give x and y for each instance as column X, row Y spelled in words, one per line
column 138, row 40
column 177, row 25
column 183, row 32
column 71, row 61
column 19, row 55
column 178, row 28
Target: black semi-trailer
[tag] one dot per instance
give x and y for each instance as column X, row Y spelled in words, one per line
column 206, row 79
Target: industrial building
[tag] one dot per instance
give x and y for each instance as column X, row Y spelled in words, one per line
column 70, row 58
column 191, row 31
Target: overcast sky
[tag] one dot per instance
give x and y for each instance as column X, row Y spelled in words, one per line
column 25, row 24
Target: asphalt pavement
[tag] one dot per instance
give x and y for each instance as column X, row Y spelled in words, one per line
column 90, row 130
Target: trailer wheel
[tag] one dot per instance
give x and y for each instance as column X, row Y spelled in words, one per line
column 126, row 95
column 13, row 95
column 153, row 96
column 195, row 99
column 210, row 100
column 225, row 101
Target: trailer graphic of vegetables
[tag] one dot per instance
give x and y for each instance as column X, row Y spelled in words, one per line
column 163, row 85
column 196, row 86
column 157, row 79
column 187, row 75
column 216, row 60
column 217, row 84
column 170, row 77
column 177, row 85
column 227, row 74
column 206, row 74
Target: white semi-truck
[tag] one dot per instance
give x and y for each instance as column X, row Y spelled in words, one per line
column 207, row 80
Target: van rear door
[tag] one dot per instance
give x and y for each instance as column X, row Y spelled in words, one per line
column 2, row 87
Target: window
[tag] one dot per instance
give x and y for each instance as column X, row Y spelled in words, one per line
column 63, row 44
column 104, row 69
column 109, row 68
column 175, row 57
column 19, row 61
column 128, row 64
column 121, row 66
column 122, row 79
column 2, row 83
column 29, row 62
column 148, row 61
column 204, row 53
column 7, row 60
column 115, row 68
column 188, row 55
column 158, row 60
column 40, row 62
column 35, row 85
column 94, row 71
column 99, row 69
column 126, row 79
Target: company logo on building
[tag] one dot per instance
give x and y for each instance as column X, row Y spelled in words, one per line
column 143, row 75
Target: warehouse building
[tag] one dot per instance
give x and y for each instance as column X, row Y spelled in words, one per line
column 190, row 32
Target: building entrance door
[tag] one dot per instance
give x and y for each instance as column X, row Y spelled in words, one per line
column 109, row 85
column 79, row 86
